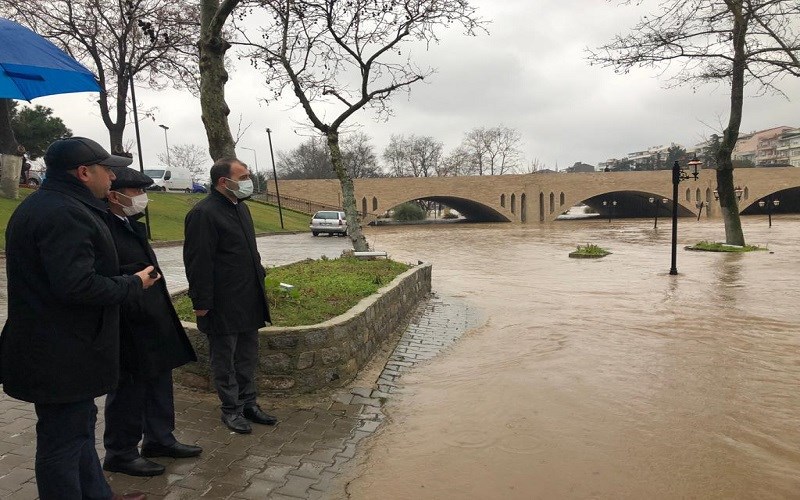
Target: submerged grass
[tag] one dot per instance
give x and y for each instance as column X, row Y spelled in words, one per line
column 712, row 246
column 323, row 289
column 589, row 250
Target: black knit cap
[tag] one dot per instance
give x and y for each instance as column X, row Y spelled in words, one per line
column 72, row 152
column 129, row 178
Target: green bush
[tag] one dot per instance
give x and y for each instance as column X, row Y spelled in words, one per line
column 409, row 212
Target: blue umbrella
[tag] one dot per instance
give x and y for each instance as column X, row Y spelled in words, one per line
column 31, row 66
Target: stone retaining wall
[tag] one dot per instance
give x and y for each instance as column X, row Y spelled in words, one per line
column 307, row 358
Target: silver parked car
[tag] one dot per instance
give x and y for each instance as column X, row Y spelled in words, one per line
column 328, row 221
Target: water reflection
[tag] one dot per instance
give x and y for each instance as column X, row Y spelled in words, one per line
column 604, row 378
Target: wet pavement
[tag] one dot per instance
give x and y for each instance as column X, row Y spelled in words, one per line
column 308, row 454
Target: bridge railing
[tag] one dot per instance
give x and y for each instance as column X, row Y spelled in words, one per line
column 308, row 206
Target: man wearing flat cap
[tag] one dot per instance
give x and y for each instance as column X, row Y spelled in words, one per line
column 153, row 342
column 60, row 343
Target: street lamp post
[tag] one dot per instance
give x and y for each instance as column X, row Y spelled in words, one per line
column 255, row 154
column 678, row 175
column 612, row 204
column 169, row 165
column 655, row 202
column 769, row 203
column 275, row 176
column 700, row 205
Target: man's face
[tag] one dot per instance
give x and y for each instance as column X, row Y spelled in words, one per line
column 239, row 172
column 122, row 196
column 97, row 178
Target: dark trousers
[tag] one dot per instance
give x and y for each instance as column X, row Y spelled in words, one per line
column 67, row 465
column 233, row 363
column 139, row 407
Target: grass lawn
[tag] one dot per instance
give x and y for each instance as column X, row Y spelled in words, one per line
column 323, row 289
column 167, row 211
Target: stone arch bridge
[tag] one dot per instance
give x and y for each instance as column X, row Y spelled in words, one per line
column 541, row 198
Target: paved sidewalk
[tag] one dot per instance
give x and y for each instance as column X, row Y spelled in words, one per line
column 305, row 456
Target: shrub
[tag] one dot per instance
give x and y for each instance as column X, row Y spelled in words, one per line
column 409, row 212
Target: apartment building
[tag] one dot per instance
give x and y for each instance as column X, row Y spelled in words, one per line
column 761, row 147
column 787, row 150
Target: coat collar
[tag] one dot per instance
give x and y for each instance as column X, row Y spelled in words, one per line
column 221, row 198
column 64, row 183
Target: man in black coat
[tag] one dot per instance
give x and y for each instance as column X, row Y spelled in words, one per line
column 60, row 344
column 226, row 285
column 153, row 342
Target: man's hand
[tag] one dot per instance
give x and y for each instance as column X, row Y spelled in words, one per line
column 145, row 275
column 200, row 312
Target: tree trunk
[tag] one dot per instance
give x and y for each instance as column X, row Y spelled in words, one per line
column 115, row 134
column 213, row 77
column 725, row 188
column 8, row 143
column 348, row 194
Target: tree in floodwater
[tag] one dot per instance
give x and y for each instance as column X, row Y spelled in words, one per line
column 738, row 42
column 339, row 56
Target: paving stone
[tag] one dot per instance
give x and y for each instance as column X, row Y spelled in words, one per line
column 15, row 478
column 369, row 426
column 258, row 490
column 27, row 492
column 221, row 490
column 296, row 486
column 310, row 470
column 274, row 472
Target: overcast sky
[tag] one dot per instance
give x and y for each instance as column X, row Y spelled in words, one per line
column 529, row 73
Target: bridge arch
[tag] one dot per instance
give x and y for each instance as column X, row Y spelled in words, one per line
column 630, row 204
column 472, row 210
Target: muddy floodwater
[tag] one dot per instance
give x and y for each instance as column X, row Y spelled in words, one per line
column 600, row 378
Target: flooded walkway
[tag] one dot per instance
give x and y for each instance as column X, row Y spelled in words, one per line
column 603, row 378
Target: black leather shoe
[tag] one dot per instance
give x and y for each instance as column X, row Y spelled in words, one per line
column 177, row 450
column 237, row 423
column 257, row 415
column 137, row 467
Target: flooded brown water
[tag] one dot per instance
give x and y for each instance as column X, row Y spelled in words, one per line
column 600, row 378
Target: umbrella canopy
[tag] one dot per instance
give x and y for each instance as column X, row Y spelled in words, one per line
column 31, row 66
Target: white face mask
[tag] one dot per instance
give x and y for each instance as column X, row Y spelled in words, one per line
column 245, row 188
column 138, row 203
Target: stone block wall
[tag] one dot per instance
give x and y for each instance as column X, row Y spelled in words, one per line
column 303, row 359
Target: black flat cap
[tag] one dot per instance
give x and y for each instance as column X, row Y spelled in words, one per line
column 129, row 178
column 72, row 152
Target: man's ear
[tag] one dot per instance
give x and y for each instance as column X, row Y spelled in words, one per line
column 82, row 173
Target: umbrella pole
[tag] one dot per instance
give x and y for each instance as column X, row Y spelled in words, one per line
column 139, row 148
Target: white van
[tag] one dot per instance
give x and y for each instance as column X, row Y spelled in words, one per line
column 170, row 179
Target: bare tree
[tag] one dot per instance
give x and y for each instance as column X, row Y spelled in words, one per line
column 151, row 41
column 738, row 42
column 309, row 160
column 359, row 156
column 189, row 156
column 492, row 151
column 312, row 160
column 414, row 156
column 338, row 57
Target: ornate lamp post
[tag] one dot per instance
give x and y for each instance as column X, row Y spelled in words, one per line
column 678, row 175
column 613, row 204
column 769, row 203
column 655, row 201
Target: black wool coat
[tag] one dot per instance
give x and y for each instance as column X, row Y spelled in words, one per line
column 152, row 338
column 223, row 266
column 60, row 343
